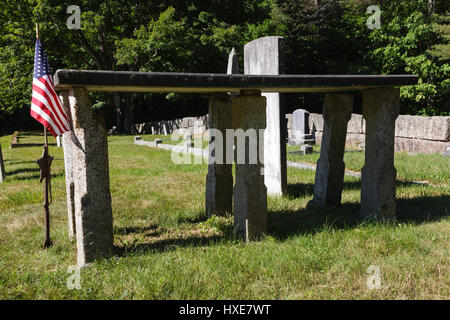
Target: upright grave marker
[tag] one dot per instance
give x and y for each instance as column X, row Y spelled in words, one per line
column 301, row 133
column 263, row 56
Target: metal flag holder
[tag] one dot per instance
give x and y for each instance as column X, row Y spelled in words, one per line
column 45, row 163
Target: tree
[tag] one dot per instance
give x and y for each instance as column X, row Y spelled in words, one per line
column 332, row 37
column 147, row 35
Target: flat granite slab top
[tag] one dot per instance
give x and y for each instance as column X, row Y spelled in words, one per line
column 130, row 81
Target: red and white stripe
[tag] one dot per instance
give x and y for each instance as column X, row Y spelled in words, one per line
column 47, row 108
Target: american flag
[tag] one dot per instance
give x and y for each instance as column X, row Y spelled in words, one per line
column 45, row 104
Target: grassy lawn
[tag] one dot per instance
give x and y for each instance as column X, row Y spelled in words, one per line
column 433, row 168
column 167, row 249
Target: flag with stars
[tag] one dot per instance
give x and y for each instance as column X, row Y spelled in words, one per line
column 45, row 104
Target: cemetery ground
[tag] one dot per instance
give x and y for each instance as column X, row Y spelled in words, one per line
column 165, row 247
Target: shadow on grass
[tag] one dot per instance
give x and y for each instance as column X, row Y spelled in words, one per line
column 283, row 224
column 296, row 190
column 10, row 162
column 161, row 246
column 33, row 176
column 131, row 230
column 191, row 220
column 23, row 170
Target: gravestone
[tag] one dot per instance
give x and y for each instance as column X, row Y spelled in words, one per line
column 164, row 129
column 2, row 166
column 233, row 64
column 301, row 133
column 306, row 149
column 263, row 56
column 58, row 141
column 446, row 153
column 153, row 131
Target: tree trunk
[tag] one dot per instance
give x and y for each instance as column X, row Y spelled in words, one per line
column 431, row 6
column 128, row 114
column 117, row 103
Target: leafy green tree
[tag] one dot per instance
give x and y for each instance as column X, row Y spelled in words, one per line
column 332, row 37
column 147, row 35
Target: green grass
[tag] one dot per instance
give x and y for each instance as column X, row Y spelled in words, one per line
column 433, row 168
column 166, row 249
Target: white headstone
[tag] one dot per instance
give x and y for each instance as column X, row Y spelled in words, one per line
column 447, row 152
column 263, row 56
column 306, row 149
column 233, row 63
column 58, row 141
column 301, row 126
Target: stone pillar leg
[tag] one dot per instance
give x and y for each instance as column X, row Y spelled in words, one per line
column 250, row 193
column 68, row 164
column 380, row 110
column 337, row 111
column 2, row 167
column 93, row 214
column 219, row 181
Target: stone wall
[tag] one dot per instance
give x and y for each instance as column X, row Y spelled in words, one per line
column 178, row 126
column 412, row 133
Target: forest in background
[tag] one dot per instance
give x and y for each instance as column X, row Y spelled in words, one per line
column 322, row 37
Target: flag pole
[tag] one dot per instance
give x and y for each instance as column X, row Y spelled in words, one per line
column 45, row 163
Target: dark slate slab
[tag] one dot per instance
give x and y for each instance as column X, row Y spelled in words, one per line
column 129, row 81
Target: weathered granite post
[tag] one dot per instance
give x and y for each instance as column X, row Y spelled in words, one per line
column 219, row 180
column 93, row 214
column 263, row 56
column 337, row 111
column 250, row 192
column 380, row 110
column 68, row 149
column 2, row 166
